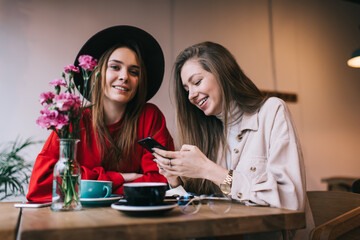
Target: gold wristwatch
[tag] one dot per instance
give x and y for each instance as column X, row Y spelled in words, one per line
column 225, row 186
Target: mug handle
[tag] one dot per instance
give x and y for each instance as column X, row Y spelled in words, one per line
column 108, row 191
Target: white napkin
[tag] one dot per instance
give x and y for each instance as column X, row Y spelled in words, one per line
column 179, row 191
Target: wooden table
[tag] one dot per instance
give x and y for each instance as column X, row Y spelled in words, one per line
column 106, row 223
column 9, row 218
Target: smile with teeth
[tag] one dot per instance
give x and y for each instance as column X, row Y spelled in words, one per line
column 121, row 88
column 202, row 102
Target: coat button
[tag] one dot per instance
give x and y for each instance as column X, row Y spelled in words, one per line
column 236, row 150
column 239, row 137
column 239, row 195
column 253, row 169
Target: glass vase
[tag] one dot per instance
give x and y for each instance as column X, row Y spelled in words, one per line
column 67, row 177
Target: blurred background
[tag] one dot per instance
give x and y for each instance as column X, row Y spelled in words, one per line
column 298, row 47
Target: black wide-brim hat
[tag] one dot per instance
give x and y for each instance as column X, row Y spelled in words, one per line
column 150, row 51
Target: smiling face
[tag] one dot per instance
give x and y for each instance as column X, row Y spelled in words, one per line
column 122, row 77
column 202, row 87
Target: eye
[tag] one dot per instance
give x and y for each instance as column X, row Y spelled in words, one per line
column 114, row 67
column 197, row 83
column 134, row 73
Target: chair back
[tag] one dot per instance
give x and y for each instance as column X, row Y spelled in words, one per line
column 326, row 205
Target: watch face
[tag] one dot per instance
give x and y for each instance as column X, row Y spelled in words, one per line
column 225, row 188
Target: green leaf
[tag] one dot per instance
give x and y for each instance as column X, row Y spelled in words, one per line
column 14, row 170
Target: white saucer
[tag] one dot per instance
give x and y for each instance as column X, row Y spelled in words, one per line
column 100, row 201
column 143, row 210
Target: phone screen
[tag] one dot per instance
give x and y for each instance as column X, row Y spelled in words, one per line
column 149, row 143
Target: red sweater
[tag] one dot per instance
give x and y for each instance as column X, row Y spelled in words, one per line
column 151, row 123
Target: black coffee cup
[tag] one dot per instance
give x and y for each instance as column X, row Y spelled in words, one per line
column 145, row 193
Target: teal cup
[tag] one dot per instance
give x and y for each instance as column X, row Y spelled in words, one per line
column 95, row 189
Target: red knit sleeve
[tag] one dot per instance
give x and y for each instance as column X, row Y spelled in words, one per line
column 40, row 186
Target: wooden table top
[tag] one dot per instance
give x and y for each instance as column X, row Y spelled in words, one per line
column 9, row 217
column 107, row 223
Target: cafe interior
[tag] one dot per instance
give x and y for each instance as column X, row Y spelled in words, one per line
column 299, row 51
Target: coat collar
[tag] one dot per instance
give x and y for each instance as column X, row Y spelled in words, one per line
column 250, row 121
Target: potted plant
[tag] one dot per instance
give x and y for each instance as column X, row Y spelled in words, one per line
column 14, row 170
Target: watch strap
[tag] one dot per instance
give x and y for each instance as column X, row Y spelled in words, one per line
column 225, row 186
column 229, row 178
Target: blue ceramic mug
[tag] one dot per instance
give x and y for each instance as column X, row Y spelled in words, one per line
column 95, row 189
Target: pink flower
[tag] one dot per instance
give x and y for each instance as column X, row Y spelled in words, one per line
column 46, row 97
column 66, row 101
column 62, row 111
column 52, row 118
column 58, row 82
column 61, row 121
column 71, row 68
column 87, row 62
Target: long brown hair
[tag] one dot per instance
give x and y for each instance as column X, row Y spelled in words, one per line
column 116, row 152
column 208, row 132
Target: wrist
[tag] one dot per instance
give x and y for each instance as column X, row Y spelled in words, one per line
column 210, row 170
column 215, row 173
column 175, row 182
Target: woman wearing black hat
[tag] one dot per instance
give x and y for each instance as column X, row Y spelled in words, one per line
column 131, row 68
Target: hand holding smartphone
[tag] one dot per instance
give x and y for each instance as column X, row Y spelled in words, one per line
column 149, row 143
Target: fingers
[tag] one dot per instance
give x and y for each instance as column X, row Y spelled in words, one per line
column 172, row 179
column 161, row 160
column 165, row 154
column 187, row 147
column 162, row 171
column 165, row 164
column 167, row 172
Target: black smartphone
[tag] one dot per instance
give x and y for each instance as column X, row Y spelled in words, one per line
column 149, row 143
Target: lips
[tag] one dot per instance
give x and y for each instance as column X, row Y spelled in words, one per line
column 122, row 88
column 202, row 101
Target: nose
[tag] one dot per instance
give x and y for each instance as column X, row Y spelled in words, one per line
column 192, row 94
column 123, row 75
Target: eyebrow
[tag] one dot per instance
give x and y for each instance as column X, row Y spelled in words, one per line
column 120, row 62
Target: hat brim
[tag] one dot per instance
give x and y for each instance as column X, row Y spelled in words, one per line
column 150, row 50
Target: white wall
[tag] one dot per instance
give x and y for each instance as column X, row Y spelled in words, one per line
column 312, row 40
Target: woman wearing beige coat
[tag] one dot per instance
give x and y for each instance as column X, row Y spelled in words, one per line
column 233, row 138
